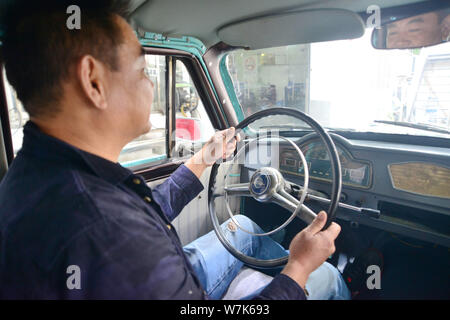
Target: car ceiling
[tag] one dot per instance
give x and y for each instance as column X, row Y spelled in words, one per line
column 204, row 18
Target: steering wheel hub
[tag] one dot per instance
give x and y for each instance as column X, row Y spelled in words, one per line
column 264, row 183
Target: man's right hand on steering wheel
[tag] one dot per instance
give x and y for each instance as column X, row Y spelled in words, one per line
column 310, row 248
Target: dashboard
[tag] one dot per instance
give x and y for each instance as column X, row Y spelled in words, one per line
column 357, row 173
column 409, row 184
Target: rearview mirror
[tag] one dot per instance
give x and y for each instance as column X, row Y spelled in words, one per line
column 419, row 31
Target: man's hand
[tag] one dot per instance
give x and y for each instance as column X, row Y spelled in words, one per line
column 310, row 248
column 221, row 145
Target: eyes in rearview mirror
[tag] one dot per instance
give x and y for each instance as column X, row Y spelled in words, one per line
column 419, row 31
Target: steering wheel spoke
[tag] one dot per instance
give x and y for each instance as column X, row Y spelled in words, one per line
column 238, row 189
column 289, row 202
column 284, row 202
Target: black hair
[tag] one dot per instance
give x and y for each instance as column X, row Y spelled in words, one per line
column 38, row 48
column 442, row 14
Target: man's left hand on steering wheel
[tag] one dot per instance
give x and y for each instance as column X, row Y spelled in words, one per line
column 221, row 146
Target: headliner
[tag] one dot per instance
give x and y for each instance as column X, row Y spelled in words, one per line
column 203, row 18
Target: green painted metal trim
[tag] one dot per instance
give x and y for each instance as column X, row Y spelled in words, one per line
column 134, row 163
column 230, row 89
column 188, row 44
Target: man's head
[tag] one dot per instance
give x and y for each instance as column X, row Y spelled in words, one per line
column 94, row 75
column 417, row 31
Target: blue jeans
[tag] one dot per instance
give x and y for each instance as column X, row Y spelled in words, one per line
column 216, row 267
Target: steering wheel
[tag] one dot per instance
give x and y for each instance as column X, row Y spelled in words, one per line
column 268, row 185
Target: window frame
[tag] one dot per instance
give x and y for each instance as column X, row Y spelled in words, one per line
column 159, row 169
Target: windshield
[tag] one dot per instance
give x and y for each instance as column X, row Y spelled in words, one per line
column 348, row 85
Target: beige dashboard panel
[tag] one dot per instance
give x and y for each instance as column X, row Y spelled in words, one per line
column 421, row 178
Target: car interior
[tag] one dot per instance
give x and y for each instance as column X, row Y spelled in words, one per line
column 336, row 111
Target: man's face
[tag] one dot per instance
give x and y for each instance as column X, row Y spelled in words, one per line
column 131, row 91
column 418, row 31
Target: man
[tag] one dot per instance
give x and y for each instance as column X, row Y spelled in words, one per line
column 68, row 207
column 415, row 32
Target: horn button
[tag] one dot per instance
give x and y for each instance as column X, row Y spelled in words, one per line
column 265, row 182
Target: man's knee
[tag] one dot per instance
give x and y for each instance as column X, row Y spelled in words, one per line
column 326, row 282
column 244, row 223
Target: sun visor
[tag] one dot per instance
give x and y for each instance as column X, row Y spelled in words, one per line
column 293, row 28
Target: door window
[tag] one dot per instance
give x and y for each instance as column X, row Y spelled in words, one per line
column 151, row 146
column 193, row 127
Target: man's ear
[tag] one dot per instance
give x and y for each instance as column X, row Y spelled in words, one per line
column 92, row 75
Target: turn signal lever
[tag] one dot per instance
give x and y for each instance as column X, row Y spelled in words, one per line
column 314, row 195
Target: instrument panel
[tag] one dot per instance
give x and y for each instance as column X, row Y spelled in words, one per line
column 357, row 173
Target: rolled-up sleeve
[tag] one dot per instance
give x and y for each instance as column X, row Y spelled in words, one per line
column 177, row 191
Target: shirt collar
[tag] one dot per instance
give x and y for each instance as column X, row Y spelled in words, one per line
column 41, row 145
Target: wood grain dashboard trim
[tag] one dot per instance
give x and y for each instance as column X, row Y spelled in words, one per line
column 422, row 178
